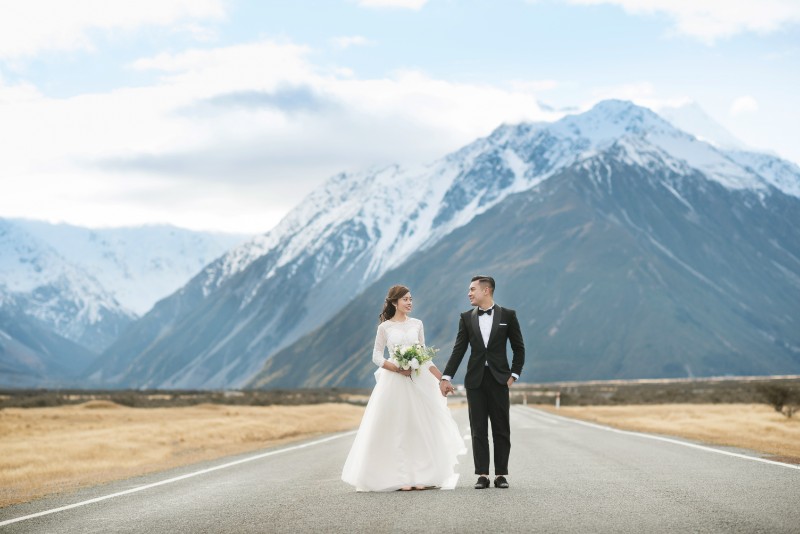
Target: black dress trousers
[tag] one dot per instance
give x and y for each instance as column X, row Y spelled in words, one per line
column 490, row 402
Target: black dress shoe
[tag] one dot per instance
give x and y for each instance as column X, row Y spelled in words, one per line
column 482, row 483
column 501, row 482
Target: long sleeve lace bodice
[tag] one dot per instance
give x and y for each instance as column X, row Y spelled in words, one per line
column 391, row 333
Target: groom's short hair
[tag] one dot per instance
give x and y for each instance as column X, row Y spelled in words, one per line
column 484, row 280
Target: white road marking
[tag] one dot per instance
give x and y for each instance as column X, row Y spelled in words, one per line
column 668, row 440
column 175, row 479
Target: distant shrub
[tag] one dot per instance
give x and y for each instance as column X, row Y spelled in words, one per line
column 780, row 397
column 127, row 398
column 781, row 393
column 40, row 401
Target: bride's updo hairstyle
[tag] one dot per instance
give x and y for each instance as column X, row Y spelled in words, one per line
column 395, row 294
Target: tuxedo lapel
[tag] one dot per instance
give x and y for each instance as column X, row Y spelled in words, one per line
column 495, row 324
column 476, row 327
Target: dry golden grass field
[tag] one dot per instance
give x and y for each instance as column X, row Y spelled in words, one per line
column 47, row 450
column 750, row 426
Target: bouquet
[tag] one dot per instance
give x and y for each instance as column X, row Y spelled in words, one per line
column 413, row 356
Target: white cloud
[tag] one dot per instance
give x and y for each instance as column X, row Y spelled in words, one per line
column 350, row 40
column 640, row 93
column 743, row 105
column 709, row 20
column 33, row 26
column 405, row 4
column 229, row 138
column 14, row 94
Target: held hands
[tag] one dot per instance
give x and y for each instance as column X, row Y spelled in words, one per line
column 407, row 372
column 446, row 387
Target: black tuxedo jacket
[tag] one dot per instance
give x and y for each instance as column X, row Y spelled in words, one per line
column 505, row 329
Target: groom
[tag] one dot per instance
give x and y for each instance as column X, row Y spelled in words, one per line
column 487, row 330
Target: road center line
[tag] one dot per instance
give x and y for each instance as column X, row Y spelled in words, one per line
column 176, row 479
column 666, row 440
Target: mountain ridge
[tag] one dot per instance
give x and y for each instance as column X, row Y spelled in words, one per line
column 582, row 269
column 358, row 226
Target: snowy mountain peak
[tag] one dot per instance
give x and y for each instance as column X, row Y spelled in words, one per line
column 40, row 283
column 618, row 113
column 27, row 263
column 611, row 120
column 644, row 136
column 138, row 265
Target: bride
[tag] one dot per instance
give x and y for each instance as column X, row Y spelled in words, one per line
column 407, row 438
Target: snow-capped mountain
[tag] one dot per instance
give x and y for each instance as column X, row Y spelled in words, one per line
column 38, row 282
column 266, row 294
column 775, row 171
column 138, row 265
column 650, row 254
column 401, row 210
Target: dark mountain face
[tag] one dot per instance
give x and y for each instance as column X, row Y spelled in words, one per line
column 31, row 355
column 616, row 270
column 110, row 367
column 220, row 339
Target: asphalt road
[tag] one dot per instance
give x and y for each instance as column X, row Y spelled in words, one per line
column 566, row 476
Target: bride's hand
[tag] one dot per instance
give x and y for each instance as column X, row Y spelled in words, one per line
column 407, row 372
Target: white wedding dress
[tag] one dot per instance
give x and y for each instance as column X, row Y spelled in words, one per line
column 407, row 436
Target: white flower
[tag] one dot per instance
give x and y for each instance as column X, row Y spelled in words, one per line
column 414, row 364
column 406, row 366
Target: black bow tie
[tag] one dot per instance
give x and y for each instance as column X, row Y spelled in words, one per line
column 487, row 312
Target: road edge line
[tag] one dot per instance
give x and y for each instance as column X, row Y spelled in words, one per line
column 667, row 440
column 175, row 479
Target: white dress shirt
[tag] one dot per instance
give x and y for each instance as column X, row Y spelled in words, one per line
column 485, row 324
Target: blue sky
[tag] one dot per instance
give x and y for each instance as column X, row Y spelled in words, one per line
column 222, row 115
